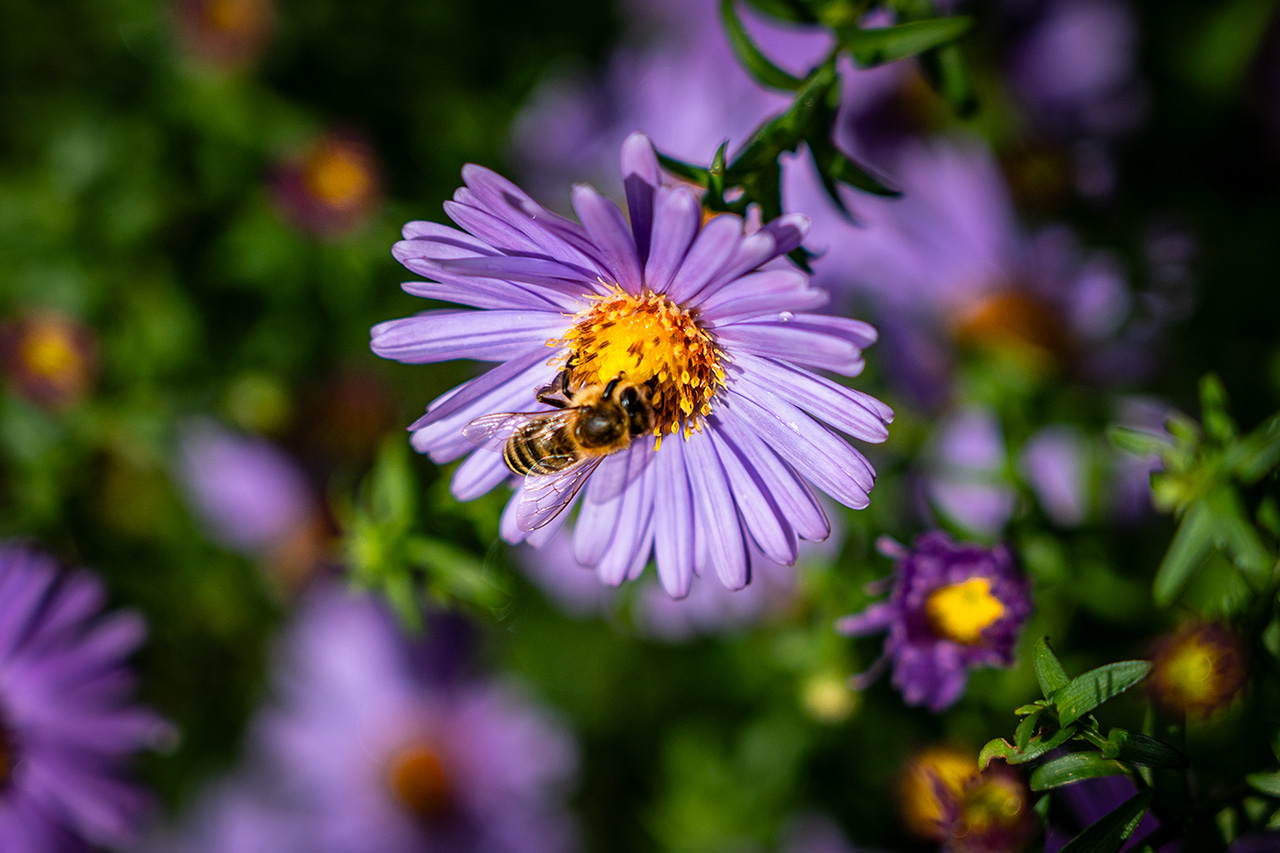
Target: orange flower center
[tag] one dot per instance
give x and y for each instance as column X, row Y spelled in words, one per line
column 650, row 340
column 419, row 781
column 1016, row 323
column 933, row 779
column 338, row 176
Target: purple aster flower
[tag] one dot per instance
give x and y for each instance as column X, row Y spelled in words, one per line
column 736, row 425
column 66, row 728
column 1091, row 800
column 953, row 607
column 374, row 757
column 1056, row 463
column 967, row 479
column 332, row 187
column 249, row 495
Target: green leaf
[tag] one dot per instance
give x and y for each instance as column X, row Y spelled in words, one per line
column 1035, row 748
column 1073, row 768
column 1237, row 534
column 685, row 171
column 795, row 11
column 1186, row 552
column 888, row 44
column 1218, row 425
column 833, row 164
column 1266, row 783
column 1108, row 833
column 1088, row 691
column 1134, row 748
column 946, row 71
column 1049, row 671
column 756, row 63
column 1027, row 728
column 392, row 501
column 1254, row 456
column 1140, row 442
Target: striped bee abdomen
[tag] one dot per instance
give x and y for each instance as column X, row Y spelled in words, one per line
column 531, row 445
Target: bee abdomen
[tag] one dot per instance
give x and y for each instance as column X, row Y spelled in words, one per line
column 523, row 451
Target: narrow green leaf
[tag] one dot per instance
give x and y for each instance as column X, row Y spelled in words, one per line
column 1049, row 671
column 756, row 63
column 835, row 165
column 1140, row 442
column 1186, row 552
column 1256, row 454
column 888, row 44
column 946, row 71
column 1134, row 748
column 1026, row 728
column 1109, row 832
column 1266, row 783
column 1218, row 425
column 1073, row 768
column 1237, row 534
column 787, row 10
column 685, row 171
column 1088, row 691
column 1035, row 748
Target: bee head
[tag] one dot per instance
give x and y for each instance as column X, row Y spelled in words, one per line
column 634, row 400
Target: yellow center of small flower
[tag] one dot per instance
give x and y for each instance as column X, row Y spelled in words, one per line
column 231, row 16
column 338, row 176
column 418, row 779
column 49, row 351
column 994, row 801
column 933, row 776
column 962, row 611
column 1016, row 323
column 652, row 341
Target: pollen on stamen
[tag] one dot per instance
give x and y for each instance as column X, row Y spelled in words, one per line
column 650, row 340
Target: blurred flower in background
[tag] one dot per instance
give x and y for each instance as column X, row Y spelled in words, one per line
column 224, row 34
column 49, row 358
column 364, row 749
column 1198, row 670
column 67, row 728
column 929, row 784
column 332, row 187
column 952, row 607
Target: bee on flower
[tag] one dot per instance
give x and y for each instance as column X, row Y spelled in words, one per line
column 682, row 325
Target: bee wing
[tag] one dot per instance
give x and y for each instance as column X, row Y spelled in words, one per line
column 547, row 494
column 492, row 431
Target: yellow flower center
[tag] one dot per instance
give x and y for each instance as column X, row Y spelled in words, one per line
column 419, row 782
column 651, row 341
column 962, row 611
column 232, row 16
column 1015, row 323
column 338, row 176
column 929, row 778
column 994, row 801
column 49, row 351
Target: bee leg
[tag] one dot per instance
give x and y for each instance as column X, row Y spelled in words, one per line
column 559, row 397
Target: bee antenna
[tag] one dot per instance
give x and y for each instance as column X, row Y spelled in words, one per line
column 608, row 389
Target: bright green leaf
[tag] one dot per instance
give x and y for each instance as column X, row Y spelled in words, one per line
column 1254, row 456
column 889, row 44
column 1088, row 691
column 1073, row 768
column 1049, row 671
column 756, row 63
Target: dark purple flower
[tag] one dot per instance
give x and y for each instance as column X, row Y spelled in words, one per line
column 953, row 607
column 224, row 34
column 332, row 187
column 67, row 731
column 1091, row 800
column 723, row 345
column 371, row 756
column 49, row 358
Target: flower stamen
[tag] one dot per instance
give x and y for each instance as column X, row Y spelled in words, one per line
column 962, row 611
column 419, row 781
column 650, row 340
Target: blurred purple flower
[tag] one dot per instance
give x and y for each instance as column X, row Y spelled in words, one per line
column 224, row 34
column 248, row 494
column 49, row 358
column 681, row 307
column 1056, row 462
column 67, row 731
column 371, row 757
column 1091, row 800
column 967, row 475
column 952, row 607
column 950, row 264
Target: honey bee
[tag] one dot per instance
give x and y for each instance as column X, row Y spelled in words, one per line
column 556, row 451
